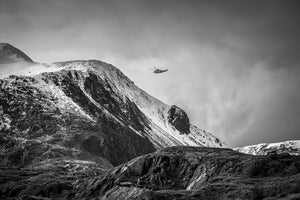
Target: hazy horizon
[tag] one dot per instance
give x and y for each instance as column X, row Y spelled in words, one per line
column 233, row 66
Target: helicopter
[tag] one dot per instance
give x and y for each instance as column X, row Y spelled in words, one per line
column 159, row 70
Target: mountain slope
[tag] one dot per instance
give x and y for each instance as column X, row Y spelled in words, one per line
column 39, row 121
column 291, row 147
column 86, row 110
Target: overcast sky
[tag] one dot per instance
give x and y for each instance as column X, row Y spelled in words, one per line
column 233, row 65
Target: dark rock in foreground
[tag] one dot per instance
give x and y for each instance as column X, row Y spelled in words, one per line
column 199, row 173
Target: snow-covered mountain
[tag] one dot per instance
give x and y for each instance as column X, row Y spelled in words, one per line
column 86, row 109
column 291, row 147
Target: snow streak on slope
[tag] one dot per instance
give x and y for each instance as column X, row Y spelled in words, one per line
column 291, row 147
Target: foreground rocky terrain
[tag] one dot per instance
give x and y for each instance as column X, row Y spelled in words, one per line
column 171, row 173
column 53, row 178
column 200, row 173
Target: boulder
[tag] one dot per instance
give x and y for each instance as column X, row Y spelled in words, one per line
column 179, row 119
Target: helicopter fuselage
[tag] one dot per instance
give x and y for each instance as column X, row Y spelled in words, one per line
column 158, row 71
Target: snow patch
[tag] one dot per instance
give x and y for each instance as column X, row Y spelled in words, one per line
column 292, row 147
column 5, row 122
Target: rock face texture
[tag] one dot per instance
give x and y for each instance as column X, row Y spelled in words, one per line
column 39, row 124
column 172, row 173
column 199, row 173
column 52, row 178
column 179, row 119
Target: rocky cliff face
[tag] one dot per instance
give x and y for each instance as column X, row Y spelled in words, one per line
column 179, row 119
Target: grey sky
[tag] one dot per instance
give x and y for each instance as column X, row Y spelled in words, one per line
column 234, row 65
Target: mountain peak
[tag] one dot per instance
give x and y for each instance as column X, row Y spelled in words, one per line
column 10, row 54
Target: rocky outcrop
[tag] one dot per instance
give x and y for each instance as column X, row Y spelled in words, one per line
column 199, row 173
column 179, row 119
